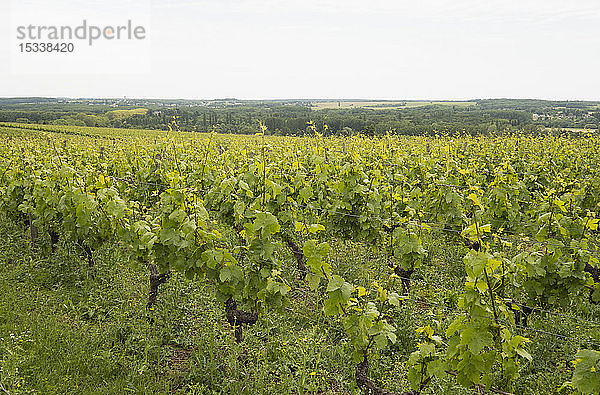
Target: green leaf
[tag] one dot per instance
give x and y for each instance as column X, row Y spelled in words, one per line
column 212, row 258
column 454, row 326
column 226, row 274
column 475, row 262
column 331, row 306
column 306, row 193
column 313, row 280
column 361, row 291
column 314, row 228
column 476, row 339
column 266, row 223
column 586, row 376
column 523, row 353
column 427, row 349
column 177, row 215
column 336, row 282
column 475, row 199
column 315, row 255
column 381, row 341
column 298, row 226
column 437, row 368
column 393, row 299
column 230, row 273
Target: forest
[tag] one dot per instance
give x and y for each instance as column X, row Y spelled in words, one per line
column 293, row 117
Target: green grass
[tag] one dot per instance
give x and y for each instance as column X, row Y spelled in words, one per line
column 69, row 329
column 124, row 114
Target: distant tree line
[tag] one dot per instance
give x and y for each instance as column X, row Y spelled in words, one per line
column 486, row 116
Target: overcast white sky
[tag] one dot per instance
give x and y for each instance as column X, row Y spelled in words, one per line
column 428, row 49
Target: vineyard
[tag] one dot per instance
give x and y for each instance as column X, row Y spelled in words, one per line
column 213, row 263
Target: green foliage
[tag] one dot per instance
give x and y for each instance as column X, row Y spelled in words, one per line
column 408, row 249
column 586, row 376
column 482, row 341
column 427, row 361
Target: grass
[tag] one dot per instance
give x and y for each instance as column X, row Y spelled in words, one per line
column 69, row 329
column 577, row 130
column 123, row 114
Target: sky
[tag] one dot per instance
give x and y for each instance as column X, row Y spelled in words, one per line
column 275, row 49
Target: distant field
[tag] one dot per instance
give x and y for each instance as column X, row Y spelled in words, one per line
column 122, row 114
column 384, row 104
column 581, row 130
